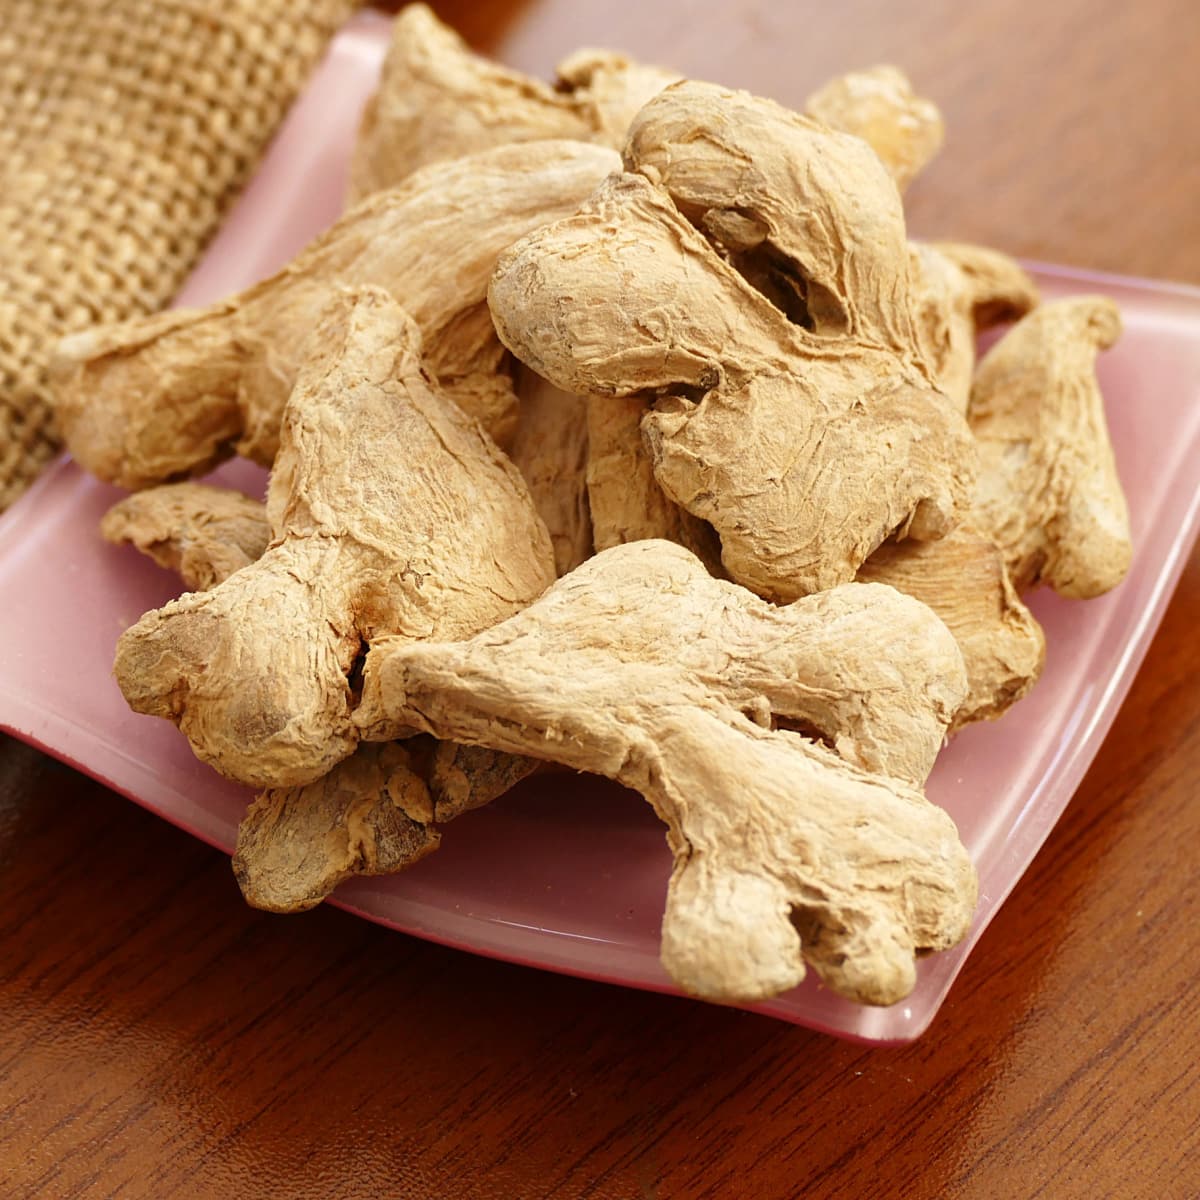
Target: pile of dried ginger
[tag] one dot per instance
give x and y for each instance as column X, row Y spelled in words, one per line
column 617, row 424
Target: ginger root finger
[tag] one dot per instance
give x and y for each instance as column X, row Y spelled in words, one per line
column 376, row 813
column 1049, row 493
column 173, row 394
column 370, row 815
column 550, row 449
column 803, row 452
column 807, row 214
column 962, row 291
column 879, row 105
column 685, row 687
column 962, row 578
column 391, row 512
column 200, row 532
column 624, row 498
column 438, row 100
column 296, row 844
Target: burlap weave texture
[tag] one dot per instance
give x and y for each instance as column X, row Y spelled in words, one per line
column 126, row 126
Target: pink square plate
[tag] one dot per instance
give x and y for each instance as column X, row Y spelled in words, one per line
column 569, row 873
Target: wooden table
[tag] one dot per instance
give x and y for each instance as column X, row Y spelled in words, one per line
column 159, row 1039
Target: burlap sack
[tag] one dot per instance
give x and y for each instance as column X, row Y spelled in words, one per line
column 126, row 126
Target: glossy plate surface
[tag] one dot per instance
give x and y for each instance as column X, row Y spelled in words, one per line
column 569, row 873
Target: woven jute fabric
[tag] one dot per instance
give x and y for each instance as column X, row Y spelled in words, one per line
column 126, row 126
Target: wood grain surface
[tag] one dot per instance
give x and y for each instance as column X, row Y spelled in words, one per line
column 158, row 1039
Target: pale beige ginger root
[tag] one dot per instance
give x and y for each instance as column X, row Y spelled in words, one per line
column 684, row 687
column 371, row 815
column 391, row 512
column 962, row 578
column 804, row 450
column 376, row 813
column 1049, row 493
column 624, row 498
column 962, row 291
column 610, row 89
column 173, row 394
column 200, row 532
column 879, row 105
column 437, row 100
column 550, row 449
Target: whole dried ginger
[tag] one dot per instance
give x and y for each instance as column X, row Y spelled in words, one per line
column 962, row 578
column 374, row 813
column 171, row 395
column 391, row 512
column 550, row 449
column 437, row 100
column 202, row 533
column 962, row 291
column 804, row 442
column 685, row 688
column 879, row 105
column 1049, row 493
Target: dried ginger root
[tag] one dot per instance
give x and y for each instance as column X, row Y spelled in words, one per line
column 684, row 687
column 803, row 449
column 962, row 291
column 173, row 394
column 550, row 449
column 371, row 815
column 962, row 578
column 202, row 533
column 879, row 105
column 376, row 812
column 391, row 512
column 624, row 498
column 1049, row 493
column 438, row 100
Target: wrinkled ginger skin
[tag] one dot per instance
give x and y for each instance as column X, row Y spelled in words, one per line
column 610, row 89
column 624, row 498
column 296, row 844
column 961, row 291
column 550, row 449
column 962, row 578
column 200, row 532
column 672, row 683
column 874, row 672
column 371, row 815
column 803, row 452
column 879, row 105
column 806, row 213
column 158, row 398
column 391, row 513
column 438, row 100
column 1049, row 492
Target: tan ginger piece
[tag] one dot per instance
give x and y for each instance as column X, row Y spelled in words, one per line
column 962, row 577
column 202, row 533
column 688, row 689
column 624, row 498
column 550, row 449
column 438, row 100
column 1049, row 493
column 391, row 512
column 963, row 290
column 373, row 814
column 804, row 450
column 173, row 394
column 879, row 105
